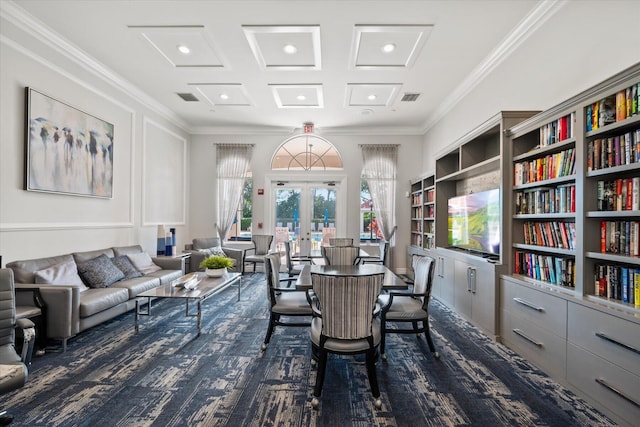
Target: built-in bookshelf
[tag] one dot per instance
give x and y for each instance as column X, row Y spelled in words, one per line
column 423, row 202
column 570, row 302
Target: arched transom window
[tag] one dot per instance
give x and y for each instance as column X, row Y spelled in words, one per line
column 306, row 152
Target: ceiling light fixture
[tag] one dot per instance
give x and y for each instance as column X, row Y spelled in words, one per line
column 388, row 48
column 301, row 97
column 224, row 96
column 290, row 49
column 184, row 49
column 371, row 97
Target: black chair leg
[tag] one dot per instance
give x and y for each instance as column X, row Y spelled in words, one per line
column 273, row 319
column 427, row 334
column 322, row 367
column 373, row 376
column 383, row 334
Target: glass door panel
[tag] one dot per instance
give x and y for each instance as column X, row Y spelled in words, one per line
column 323, row 222
column 287, row 227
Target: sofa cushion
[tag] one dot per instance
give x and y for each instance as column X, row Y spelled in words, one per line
column 137, row 285
column 124, row 264
column 86, row 256
column 99, row 272
column 24, row 271
column 205, row 242
column 65, row 273
column 127, row 250
column 166, row 276
column 142, row 262
column 96, row 300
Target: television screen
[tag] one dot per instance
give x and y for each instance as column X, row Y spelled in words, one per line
column 474, row 222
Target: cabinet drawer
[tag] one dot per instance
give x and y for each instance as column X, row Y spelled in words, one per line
column 547, row 311
column 544, row 349
column 612, row 338
column 586, row 369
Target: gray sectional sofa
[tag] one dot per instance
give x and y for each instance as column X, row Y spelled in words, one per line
column 70, row 306
column 204, row 247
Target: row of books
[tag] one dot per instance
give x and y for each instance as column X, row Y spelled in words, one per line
column 622, row 194
column 560, row 199
column 416, row 212
column 431, row 195
column 556, row 270
column 431, row 212
column 613, row 108
column 620, row 237
column 553, row 234
column 416, row 199
column 614, row 151
column 558, row 130
column 547, row 167
column 618, row 283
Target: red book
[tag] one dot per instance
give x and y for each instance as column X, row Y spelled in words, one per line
column 629, row 201
column 603, row 237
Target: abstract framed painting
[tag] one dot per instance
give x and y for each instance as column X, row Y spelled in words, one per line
column 67, row 150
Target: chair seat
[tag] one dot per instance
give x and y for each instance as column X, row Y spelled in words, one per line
column 403, row 308
column 292, row 303
column 344, row 346
column 254, row 258
column 12, row 377
column 8, row 355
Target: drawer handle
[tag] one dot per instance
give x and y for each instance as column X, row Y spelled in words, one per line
column 528, row 304
column 616, row 391
column 523, row 335
column 623, row 345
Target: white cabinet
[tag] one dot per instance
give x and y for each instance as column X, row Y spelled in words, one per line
column 475, row 293
column 443, row 283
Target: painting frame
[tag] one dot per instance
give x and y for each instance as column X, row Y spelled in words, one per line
column 67, row 151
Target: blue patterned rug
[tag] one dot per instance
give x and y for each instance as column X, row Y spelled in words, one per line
column 167, row 376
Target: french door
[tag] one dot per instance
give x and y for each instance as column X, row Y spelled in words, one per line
column 305, row 213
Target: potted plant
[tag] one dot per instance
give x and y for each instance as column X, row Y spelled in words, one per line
column 216, row 265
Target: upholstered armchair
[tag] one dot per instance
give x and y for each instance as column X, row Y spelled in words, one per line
column 204, row 247
column 410, row 307
column 347, row 323
column 13, row 367
column 284, row 301
column 260, row 249
column 340, row 255
column 294, row 264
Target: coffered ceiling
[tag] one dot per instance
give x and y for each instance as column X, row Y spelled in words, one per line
column 260, row 66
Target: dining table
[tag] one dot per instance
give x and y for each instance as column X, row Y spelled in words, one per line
column 391, row 280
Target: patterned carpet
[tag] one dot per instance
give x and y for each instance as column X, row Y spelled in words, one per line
column 167, row 376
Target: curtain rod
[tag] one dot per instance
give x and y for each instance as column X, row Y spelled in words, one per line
column 231, row 143
column 378, row 145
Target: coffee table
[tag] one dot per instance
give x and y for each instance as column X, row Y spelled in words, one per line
column 207, row 287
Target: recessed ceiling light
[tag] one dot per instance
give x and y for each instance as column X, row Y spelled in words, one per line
column 371, row 97
column 184, row 49
column 301, row 97
column 290, row 49
column 388, row 48
column 224, row 96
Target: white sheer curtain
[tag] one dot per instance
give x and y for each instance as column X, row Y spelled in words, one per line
column 233, row 162
column 380, row 170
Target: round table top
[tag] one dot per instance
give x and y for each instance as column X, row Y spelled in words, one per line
column 348, row 270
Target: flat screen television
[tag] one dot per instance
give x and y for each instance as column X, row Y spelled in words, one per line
column 474, row 222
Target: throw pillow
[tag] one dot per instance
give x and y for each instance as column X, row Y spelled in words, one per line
column 124, row 264
column 99, row 272
column 65, row 273
column 217, row 250
column 207, row 252
column 143, row 263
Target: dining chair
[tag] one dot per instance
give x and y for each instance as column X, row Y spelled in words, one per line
column 256, row 253
column 294, row 264
column 14, row 367
column 412, row 307
column 383, row 250
column 346, row 325
column 341, row 241
column 340, row 255
column 283, row 300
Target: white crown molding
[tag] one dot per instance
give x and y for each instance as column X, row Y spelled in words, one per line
column 42, row 226
column 10, row 11
column 525, row 28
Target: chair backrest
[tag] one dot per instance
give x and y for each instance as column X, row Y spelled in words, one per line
column 384, row 250
column 424, row 268
column 341, row 241
column 7, row 307
column 272, row 274
column 287, row 255
column 340, row 255
column 262, row 243
column 347, row 304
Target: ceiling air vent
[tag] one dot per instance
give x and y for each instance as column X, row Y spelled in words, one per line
column 189, row 97
column 410, row 97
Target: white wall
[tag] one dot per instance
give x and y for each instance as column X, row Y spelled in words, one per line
column 37, row 224
column 203, row 178
column 584, row 43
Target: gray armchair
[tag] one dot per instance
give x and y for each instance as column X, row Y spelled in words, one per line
column 198, row 250
column 13, row 367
